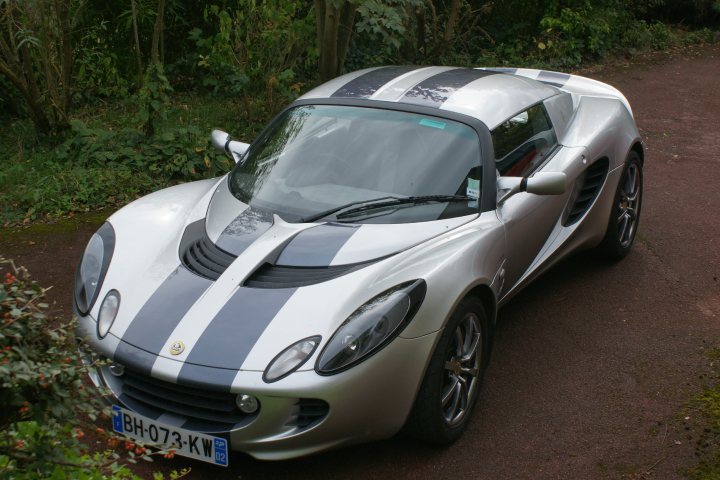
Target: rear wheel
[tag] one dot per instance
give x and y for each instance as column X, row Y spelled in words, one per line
column 625, row 215
column 452, row 382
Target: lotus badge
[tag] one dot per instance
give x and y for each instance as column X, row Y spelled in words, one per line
column 177, row 347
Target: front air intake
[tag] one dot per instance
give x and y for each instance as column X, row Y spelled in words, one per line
column 278, row 276
column 206, row 259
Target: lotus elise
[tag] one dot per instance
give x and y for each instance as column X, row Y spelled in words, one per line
column 341, row 283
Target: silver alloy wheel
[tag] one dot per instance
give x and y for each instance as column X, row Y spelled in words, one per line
column 462, row 368
column 629, row 206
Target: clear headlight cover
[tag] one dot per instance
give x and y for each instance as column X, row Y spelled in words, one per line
column 290, row 359
column 92, row 268
column 108, row 312
column 371, row 327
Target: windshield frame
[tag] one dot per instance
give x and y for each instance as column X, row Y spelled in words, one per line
column 488, row 194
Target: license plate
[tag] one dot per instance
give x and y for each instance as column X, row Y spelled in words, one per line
column 186, row 443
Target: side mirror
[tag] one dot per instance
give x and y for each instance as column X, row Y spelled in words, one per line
column 222, row 141
column 542, row 183
column 547, row 183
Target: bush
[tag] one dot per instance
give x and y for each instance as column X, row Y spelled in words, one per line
column 47, row 409
column 97, row 168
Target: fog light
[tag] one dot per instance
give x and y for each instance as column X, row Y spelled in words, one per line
column 247, row 403
column 108, row 312
column 116, row 369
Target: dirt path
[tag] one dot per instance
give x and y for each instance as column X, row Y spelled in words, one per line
column 593, row 363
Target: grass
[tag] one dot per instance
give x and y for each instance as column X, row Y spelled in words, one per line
column 707, row 404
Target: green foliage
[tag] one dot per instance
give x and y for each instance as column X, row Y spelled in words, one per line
column 153, row 97
column 707, row 406
column 574, row 33
column 382, row 30
column 99, row 168
column 46, row 407
column 255, row 49
column 97, row 71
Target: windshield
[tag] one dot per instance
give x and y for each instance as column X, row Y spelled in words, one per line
column 318, row 158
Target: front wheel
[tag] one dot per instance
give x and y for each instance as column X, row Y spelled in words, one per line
column 625, row 215
column 451, row 385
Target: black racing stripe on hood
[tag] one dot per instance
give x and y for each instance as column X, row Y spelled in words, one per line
column 244, row 230
column 231, row 335
column 316, row 246
column 162, row 312
column 134, row 358
column 553, row 78
column 434, row 91
column 368, row 83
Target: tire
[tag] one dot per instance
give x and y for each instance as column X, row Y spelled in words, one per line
column 450, row 389
column 625, row 216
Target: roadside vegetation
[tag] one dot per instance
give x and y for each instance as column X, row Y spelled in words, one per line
column 101, row 102
column 48, row 423
column 707, row 439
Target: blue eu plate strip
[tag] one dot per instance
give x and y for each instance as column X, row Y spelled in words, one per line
column 117, row 419
column 221, row 457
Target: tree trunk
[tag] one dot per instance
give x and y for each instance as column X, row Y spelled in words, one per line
column 36, row 111
column 334, row 31
column 66, row 52
column 449, row 33
column 138, row 58
column 157, row 33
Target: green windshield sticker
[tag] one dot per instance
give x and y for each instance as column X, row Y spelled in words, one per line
column 473, row 188
column 426, row 122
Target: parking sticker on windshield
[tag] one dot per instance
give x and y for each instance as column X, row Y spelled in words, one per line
column 473, row 188
column 426, row 122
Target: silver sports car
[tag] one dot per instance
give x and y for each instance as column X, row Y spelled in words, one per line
column 341, row 283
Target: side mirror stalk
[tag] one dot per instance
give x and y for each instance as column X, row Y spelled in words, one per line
column 223, row 142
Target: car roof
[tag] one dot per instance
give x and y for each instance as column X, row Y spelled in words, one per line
column 491, row 96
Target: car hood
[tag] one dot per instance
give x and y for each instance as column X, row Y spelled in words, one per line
column 207, row 313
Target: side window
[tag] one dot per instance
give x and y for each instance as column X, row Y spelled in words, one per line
column 523, row 142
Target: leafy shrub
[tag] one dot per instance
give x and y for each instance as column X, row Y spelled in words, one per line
column 255, row 51
column 97, row 74
column 97, row 168
column 47, row 409
column 179, row 153
column 153, row 97
column 574, row 34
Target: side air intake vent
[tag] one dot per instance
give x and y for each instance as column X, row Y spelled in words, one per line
column 277, row 276
column 206, row 259
column 589, row 187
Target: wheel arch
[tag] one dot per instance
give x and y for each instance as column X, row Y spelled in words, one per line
column 486, row 295
column 638, row 148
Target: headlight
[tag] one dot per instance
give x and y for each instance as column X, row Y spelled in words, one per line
column 371, row 327
column 108, row 312
column 92, row 267
column 290, row 359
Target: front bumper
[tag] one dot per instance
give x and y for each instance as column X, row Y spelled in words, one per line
column 370, row 401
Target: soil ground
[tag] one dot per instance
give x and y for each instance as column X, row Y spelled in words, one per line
column 593, row 364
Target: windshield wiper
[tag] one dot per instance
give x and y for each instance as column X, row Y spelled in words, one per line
column 382, row 202
column 325, row 213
